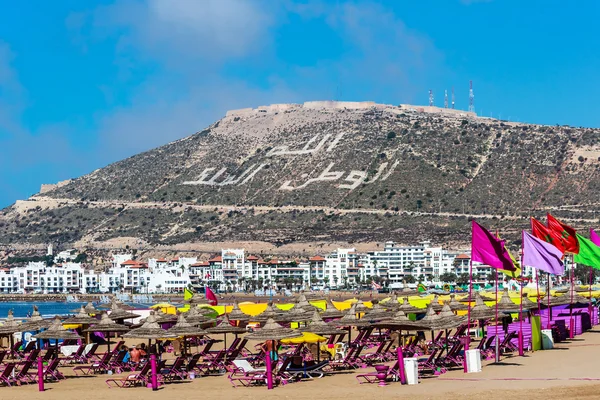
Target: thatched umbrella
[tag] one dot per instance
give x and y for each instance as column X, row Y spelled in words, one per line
column 273, row 331
column 10, row 326
column 360, row 307
column 194, row 317
column 185, row 329
column 150, row 330
column 468, row 299
column 271, row 312
column 377, row 313
column 392, row 303
column 164, row 318
column 455, row 305
column 118, row 304
column 408, row 308
column 236, row 314
column 88, row 309
column 480, row 310
column 320, row 327
column 35, row 322
column 506, row 304
column 57, row 331
column 225, row 327
column 528, row 304
column 106, row 325
column 331, row 311
column 119, row 314
column 304, row 304
column 296, row 314
column 435, row 303
column 82, row 318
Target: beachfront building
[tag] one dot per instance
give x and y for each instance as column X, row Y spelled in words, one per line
column 394, row 263
column 341, row 268
column 8, row 281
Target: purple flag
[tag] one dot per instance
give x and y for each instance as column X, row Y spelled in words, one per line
column 488, row 249
column 542, row 255
column 594, row 237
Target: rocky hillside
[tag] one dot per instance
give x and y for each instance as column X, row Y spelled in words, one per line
column 324, row 172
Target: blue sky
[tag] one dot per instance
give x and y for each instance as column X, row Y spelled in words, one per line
column 84, row 84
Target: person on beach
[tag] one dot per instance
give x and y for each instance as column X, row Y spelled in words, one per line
column 134, row 355
column 270, row 347
column 125, row 349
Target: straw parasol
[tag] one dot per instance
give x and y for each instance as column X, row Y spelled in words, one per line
column 448, row 319
column 106, row 325
column 481, row 311
column 225, row 327
column 528, row 304
column 35, row 322
column 194, row 317
column 11, row 325
column 236, row 314
column 331, row 311
column 320, row 327
column 360, row 307
column 185, row 329
column 82, row 318
column 119, row 304
column 271, row 312
column 408, row 308
column 391, row 303
column 435, row 303
column 350, row 319
column 57, row 331
column 377, row 313
column 296, row 314
column 273, row 331
column 149, row 330
column 119, row 314
column 467, row 299
column 89, row 309
column 164, row 318
column 304, row 304
column 399, row 321
column 455, row 305
column 506, row 304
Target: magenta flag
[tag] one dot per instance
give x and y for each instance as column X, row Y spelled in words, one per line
column 594, row 237
column 488, row 249
column 542, row 255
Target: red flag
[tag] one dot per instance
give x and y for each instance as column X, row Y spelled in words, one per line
column 210, row 296
column 542, row 232
column 567, row 234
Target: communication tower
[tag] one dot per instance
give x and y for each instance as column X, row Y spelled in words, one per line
column 445, row 98
column 471, row 98
column 430, row 98
column 453, row 97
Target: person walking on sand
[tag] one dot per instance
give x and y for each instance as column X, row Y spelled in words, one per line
column 270, row 347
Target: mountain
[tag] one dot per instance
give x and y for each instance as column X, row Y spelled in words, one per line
column 323, row 172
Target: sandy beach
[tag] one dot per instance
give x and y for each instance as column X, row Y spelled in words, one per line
column 568, row 371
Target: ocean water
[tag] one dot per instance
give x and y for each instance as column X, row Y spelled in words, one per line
column 47, row 309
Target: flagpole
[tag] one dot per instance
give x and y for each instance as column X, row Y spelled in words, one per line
column 497, row 335
column 468, row 338
column 537, row 284
column 590, row 307
column 521, row 307
column 549, row 309
column 572, row 290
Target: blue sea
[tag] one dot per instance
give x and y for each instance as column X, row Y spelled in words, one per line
column 47, row 309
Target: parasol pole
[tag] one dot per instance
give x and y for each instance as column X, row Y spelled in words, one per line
column 468, row 338
column 401, row 370
column 497, row 336
column 269, row 370
column 521, row 304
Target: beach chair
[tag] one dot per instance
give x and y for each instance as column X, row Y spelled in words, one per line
column 351, row 360
column 141, row 378
column 23, row 375
column 192, row 363
column 176, row 371
column 246, row 375
column 28, row 348
column 102, row 365
column 452, row 359
column 75, row 357
column 6, row 375
column 117, row 347
column 488, row 350
column 2, row 356
column 506, row 346
column 308, row 369
column 379, row 354
column 371, row 377
column 31, row 357
column 428, row 363
column 90, row 355
column 51, row 372
column 50, row 354
column 213, row 364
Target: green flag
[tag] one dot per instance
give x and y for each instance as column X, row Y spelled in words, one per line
column 589, row 253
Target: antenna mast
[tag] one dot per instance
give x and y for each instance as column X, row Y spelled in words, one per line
column 471, row 98
column 453, row 97
column 430, row 98
column 445, row 98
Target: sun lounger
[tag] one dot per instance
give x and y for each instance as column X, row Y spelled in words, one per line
column 141, row 378
column 51, row 372
column 6, row 375
column 176, row 371
column 246, row 375
column 102, row 365
column 314, row 370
